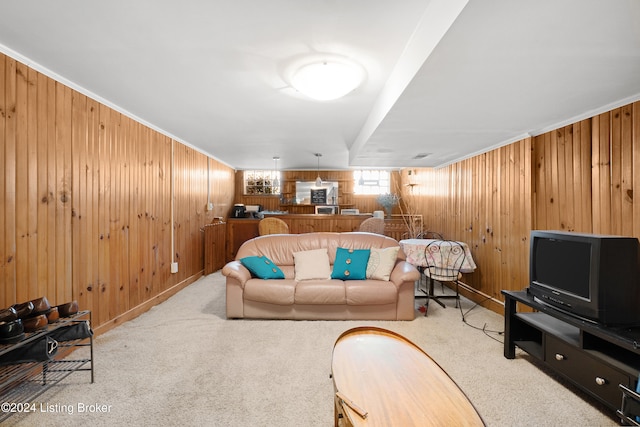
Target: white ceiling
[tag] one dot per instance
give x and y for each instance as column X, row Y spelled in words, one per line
column 451, row 78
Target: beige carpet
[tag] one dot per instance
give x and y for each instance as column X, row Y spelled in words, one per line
column 184, row 364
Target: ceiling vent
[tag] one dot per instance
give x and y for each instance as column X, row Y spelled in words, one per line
column 421, row 156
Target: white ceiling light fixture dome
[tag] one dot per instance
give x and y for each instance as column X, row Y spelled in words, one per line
column 327, row 78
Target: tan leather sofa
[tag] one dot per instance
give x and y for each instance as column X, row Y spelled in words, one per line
column 329, row 299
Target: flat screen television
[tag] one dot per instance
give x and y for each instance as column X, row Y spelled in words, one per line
column 591, row 276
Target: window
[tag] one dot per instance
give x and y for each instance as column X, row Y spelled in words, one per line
column 372, row 182
column 260, row 182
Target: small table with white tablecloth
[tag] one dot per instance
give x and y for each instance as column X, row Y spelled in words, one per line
column 414, row 249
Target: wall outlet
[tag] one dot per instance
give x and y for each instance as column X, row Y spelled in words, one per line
column 209, row 206
column 174, row 267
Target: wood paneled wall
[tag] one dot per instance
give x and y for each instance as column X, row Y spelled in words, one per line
column 365, row 203
column 87, row 201
column 577, row 178
column 586, row 174
column 484, row 201
column 562, row 179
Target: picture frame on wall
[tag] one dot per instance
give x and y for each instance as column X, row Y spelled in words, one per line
column 319, row 196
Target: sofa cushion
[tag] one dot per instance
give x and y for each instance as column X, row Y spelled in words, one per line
column 381, row 263
column 370, row 292
column 311, row 265
column 280, row 292
column 350, row 264
column 262, row 267
column 320, row 292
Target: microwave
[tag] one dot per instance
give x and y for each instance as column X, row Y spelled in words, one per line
column 328, row 209
column 350, row 211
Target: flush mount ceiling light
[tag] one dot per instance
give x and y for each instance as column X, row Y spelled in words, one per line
column 327, row 79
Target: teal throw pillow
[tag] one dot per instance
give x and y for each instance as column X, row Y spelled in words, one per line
column 350, row 264
column 262, row 267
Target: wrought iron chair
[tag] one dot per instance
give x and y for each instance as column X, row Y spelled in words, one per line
column 372, row 225
column 430, row 235
column 272, row 226
column 444, row 259
column 424, row 235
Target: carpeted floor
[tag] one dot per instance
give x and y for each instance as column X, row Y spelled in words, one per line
column 184, row 364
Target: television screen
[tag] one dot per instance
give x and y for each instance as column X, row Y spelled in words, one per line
column 563, row 264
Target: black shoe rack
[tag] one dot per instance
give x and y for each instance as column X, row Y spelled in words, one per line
column 22, row 383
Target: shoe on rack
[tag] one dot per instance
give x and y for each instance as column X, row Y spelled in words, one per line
column 23, row 309
column 11, row 331
column 53, row 314
column 68, row 309
column 8, row 314
column 32, row 324
column 41, row 305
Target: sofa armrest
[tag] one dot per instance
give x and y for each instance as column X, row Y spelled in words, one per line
column 404, row 276
column 404, row 272
column 237, row 276
column 236, row 270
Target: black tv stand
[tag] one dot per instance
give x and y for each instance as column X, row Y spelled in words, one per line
column 596, row 358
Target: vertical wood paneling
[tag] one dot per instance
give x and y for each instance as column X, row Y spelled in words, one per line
column 79, row 200
column 50, row 194
column 222, row 195
column 150, row 232
column 5, row 294
column 134, row 197
column 21, row 180
column 180, row 222
column 124, row 158
column 159, row 215
column 626, row 170
column 32, row 178
column 91, row 288
column 561, row 180
column 615, row 148
column 602, row 174
column 103, row 288
column 42, row 185
column 582, row 175
column 85, row 210
column 117, row 214
column 635, row 148
column 63, row 195
column 9, row 260
column 486, row 202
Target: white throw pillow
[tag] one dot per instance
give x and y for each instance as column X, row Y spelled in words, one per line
column 381, row 263
column 314, row 264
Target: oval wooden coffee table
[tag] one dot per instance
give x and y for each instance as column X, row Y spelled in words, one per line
column 383, row 379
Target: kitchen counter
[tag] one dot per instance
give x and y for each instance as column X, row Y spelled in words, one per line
column 239, row 230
